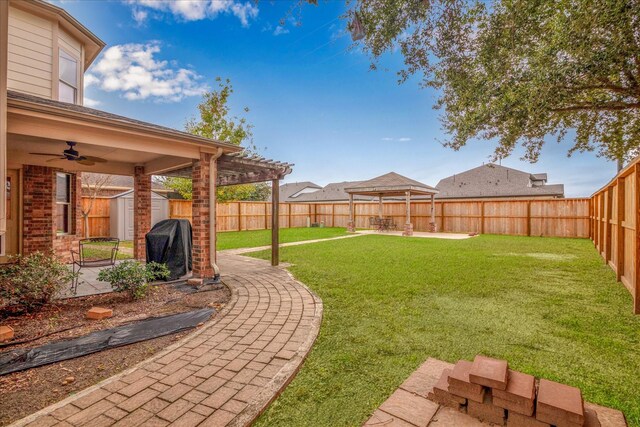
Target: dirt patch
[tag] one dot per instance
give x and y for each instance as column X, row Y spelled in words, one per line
column 65, row 319
column 545, row 256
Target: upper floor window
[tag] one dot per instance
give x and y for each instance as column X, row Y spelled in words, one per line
column 68, row 85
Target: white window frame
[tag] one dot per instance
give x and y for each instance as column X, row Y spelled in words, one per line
column 68, row 204
column 76, row 88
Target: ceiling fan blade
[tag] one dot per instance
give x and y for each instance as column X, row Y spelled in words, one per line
column 44, row 154
column 95, row 159
column 85, row 162
column 56, row 159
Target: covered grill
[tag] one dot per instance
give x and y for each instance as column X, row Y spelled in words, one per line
column 169, row 242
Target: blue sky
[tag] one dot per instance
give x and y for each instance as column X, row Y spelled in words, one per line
column 313, row 100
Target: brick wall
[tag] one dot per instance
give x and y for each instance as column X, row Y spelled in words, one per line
column 201, row 209
column 141, row 212
column 39, row 228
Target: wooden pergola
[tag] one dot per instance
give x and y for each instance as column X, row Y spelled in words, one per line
column 243, row 168
column 393, row 185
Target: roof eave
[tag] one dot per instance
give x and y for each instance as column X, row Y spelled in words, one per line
column 166, row 133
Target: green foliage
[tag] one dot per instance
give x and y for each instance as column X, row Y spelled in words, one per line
column 513, row 72
column 549, row 306
column 133, row 277
column 31, row 281
column 215, row 123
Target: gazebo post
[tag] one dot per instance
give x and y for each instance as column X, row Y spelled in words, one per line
column 432, row 225
column 380, row 206
column 351, row 226
column 408, row 227
column 275, row 222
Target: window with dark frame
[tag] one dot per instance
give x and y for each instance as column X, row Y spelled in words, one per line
column 63, row 203
column 68, row 78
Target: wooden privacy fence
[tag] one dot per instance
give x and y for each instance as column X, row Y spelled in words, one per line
column 550, row 217
column 615, row 227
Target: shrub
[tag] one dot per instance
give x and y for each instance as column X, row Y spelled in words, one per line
column 133, row 277
column 31, row 281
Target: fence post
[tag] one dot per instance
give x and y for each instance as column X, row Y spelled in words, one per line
column 481, row 217
column 266, row 215
column 529, row 218
column 608, row 229
column 619, row 261
column 333, row 214
column 635, row 280
column 442, row 204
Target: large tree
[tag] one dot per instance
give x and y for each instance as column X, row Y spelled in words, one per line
column 516, row 71
column 215, row 121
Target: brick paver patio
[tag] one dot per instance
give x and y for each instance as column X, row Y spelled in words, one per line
column 224, row 374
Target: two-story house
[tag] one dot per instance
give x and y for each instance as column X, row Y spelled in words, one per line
column 48, row 138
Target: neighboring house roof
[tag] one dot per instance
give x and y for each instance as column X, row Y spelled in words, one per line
column 75, row 111
column 391, row 184
column 121, row 182
column 293, row 190
column 331, row 193
column 493, row 180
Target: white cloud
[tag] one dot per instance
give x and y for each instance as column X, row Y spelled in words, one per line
column 133, row 70
column 139, row 15
column 196, row 10
column 389, row 139
column 280, row 30
column 91, row 103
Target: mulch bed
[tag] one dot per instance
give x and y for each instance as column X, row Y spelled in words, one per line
column 65, row 319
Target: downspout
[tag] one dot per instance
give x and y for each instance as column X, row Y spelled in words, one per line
column 213, row 176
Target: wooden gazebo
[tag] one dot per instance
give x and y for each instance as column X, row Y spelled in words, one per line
column 393, row 185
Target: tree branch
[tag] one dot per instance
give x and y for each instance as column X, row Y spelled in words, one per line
column 612, row 106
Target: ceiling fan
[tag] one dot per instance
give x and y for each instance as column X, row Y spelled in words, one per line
column 72, row 154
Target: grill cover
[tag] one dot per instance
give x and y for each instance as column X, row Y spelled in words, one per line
column 169, row 242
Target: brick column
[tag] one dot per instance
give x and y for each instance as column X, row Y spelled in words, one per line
column 141, row 212
column 39, row 211
column 201, row 210
column 37, row 204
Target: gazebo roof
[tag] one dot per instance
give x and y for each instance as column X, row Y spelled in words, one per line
column 391, row 184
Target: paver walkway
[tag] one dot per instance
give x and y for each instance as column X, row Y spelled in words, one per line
column 224, row 374
column 284, row 245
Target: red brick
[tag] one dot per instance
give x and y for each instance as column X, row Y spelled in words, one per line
column 99, row 313
column 449, row 401
column 524, row 408
column 559, row 404
column 200, row 213
column 520, row 393
column 518, row 420
column 489, row 372
column 465, row 393
column 441, row 389
column 6, row 333
column 486, row 411
column 459, row 379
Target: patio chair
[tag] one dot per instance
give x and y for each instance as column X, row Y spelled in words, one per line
column 93, row 252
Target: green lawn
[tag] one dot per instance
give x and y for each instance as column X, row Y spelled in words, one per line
column 255, row 238
column 549, row 306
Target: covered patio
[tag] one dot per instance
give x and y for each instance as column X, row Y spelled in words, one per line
column 47, row 185
column 392, row 185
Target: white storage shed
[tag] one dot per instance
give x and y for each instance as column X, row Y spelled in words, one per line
column 122, row 217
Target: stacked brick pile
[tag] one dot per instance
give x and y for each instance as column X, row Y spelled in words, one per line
column 488, row 390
